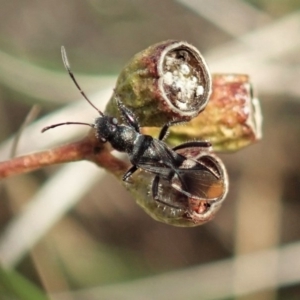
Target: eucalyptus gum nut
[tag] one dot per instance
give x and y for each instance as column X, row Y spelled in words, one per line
column 240, row 123
column 167, row 81
column 231, row 120
column 183, row 215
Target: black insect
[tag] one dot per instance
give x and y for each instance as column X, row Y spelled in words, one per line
column 191, row 177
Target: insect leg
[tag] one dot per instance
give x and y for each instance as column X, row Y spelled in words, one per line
column 127, row 115
column 165, row 128
column 129, row 172
column 155, row 187
column 193, row 144
column 141, row 144
column 167, row 204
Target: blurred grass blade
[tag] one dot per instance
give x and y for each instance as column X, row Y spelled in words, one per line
column 33, row 113
column 45, row 209
column 15, row 286
column 43, row 85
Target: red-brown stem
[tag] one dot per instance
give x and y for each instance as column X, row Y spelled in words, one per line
column 86, row 149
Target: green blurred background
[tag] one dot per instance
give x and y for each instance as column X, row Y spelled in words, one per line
column 72, row 232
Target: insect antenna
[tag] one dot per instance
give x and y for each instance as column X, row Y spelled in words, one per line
column 68, row 68
column 66, row 123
